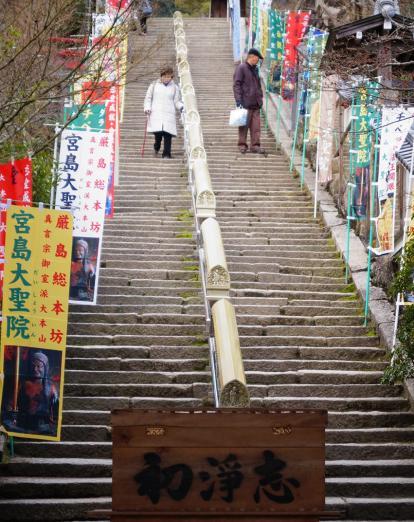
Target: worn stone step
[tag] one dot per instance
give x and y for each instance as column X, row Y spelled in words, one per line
column 57, row 467
column 51, row 509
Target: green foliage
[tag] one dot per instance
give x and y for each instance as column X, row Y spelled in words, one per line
column 186, row 234
column 42, row 176
column 348, row 288
column 348, row 298
column 185, row 215
column 193, row 7
column 403, row 281
column 402, row 363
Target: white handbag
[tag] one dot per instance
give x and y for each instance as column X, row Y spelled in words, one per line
column 238, row 117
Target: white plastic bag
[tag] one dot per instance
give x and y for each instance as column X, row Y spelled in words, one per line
column 238, row 117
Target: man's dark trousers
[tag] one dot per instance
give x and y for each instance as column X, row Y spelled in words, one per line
column 253, row 123
column 167, row 142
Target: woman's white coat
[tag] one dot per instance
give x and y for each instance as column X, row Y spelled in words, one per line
column 162, row 100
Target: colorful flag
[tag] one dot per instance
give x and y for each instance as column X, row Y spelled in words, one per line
column 276, row 36
column 36, row 278
column 364, row 111
column 395, row 124
column 35, row 318
column 296, row 25
column 84, row 170
column 16, row 185
column 327, row 128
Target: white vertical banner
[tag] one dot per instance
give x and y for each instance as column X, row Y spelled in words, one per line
column 235, row 25
column 327, row 128
column 84, row 168
column 396, row 122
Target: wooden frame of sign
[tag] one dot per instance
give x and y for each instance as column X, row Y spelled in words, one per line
column 223, row 464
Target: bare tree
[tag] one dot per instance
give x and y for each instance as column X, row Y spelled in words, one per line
column 40, row 63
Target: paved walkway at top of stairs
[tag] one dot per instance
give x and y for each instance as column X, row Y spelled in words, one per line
column 143, row 345
column 301, row 327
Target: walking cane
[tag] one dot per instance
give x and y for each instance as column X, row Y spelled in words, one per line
column 145, row 137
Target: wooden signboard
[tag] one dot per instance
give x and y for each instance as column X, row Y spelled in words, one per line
column 218, row 465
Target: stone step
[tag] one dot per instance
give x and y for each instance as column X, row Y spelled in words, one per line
column 113, row 354
column 51, row 509
column 45, row 487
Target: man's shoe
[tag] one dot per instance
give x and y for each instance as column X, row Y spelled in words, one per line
column 167, row 156
column 156, row 153
column 243, row 151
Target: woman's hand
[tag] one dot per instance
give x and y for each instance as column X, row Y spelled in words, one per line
column 147, row 112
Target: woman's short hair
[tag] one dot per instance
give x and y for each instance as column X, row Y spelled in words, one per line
column 167, row 69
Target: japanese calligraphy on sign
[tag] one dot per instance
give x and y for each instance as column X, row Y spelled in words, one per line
column 36, row 279
column 91, row 118
column 261, row 462
column 276, row 36
column 84, row 170
column 16, row 185
column 394, row 128
column 296, row 24
column 364, row 112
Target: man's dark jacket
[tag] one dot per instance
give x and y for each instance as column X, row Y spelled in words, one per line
column 246, row 86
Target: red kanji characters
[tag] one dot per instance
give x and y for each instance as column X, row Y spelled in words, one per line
column 61, row 251
column 59, row 279
column 63, row 222
column 56, row 336
column 44, row 294
column 42, row 323
column 46, row 233
column 57, row 307
column 95, row 227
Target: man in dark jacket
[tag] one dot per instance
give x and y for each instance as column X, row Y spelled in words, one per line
column 249, row 95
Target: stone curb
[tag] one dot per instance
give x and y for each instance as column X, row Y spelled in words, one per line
column 382, row 313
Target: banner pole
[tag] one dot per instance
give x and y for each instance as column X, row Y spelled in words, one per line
column 279, row 105
column 317, row 154
column 350, row 190
column 371, row 213
column 301, row 89
column 55, row 149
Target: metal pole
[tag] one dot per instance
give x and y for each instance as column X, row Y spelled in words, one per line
column 317, row 155
column 350, row 187
column 54, row 169
column 279, row 108
column 301, row 89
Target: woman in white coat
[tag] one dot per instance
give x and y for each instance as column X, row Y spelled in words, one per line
column 161, row 102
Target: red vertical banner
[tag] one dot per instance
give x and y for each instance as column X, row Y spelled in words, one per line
column 5, row 193
column 15, row 184
column 296, row 25
column 23, row 187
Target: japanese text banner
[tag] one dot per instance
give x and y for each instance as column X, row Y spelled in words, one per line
column 36, row 278
column 84, row 170
column 395, row 124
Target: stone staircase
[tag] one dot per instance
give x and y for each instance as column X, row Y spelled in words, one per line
column 144, row 344
column 300, row 325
